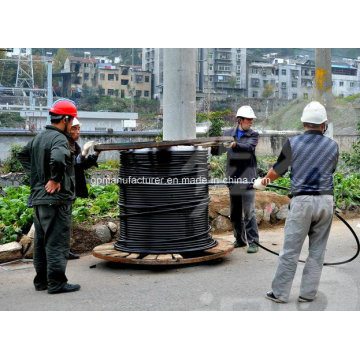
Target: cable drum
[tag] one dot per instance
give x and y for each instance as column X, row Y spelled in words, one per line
column 164, row 201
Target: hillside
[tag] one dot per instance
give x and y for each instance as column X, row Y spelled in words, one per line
column 345, row 115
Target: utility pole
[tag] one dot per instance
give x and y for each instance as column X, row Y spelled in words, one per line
column 49, row 89
column 179, row 94
column 323, row 84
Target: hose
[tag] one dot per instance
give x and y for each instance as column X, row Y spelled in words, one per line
column 339, row 217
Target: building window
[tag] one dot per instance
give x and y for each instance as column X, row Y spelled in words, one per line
column 86, row 76
column 110, row 92
column 265, row 82
column 138, row 93
column 122, row 93
column 116, row 92
column 138, row 78
column 147, row 78
column 294, row 84
column 238, row 79
column 254, row 70
column 238, row 68
column 272, row 82
column 146, row 93
column 223, row 68
column 283, row 71
column 111, row 77
column 125, row 71
column 124, row 81
column 341, row 83
column 211, row 67
column 211, row 78
column 238, row 57
column 102, row 91
column 102, row 76
column 312, row 72
column 306, row 96
column 255, row 82
column 294, row 96
column 352, row 84
column 255, row 94
column 283, row 85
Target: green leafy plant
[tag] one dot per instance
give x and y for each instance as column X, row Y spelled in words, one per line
column 15, row 216
column 12, row 164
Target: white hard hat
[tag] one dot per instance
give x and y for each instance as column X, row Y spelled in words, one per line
column 75, row 122
column 246, row 112
column 314, row 113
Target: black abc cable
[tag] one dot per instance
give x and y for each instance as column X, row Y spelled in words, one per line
column 163, row 219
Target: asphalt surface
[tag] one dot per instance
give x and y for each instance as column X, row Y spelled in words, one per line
column 239, row 282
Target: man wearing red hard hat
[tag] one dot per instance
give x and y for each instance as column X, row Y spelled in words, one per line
column 49, row 163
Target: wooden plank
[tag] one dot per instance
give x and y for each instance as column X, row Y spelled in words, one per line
column 140, row 145
column 150, row 257
column 121, row 254
column 105, row 247
column 164, row 257
column 224, row 248
column 132, row 256
column 177, row 257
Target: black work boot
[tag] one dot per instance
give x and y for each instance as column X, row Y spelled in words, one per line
column 65, row 289
column 73, row 256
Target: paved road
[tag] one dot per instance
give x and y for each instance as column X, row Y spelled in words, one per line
column 239, row 282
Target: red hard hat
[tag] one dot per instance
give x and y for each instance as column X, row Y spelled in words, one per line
column 63, row 107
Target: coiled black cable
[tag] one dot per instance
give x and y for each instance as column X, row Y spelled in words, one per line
column 172, row 218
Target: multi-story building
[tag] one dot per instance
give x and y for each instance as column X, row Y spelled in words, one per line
column 82, row 70
column 296, row 80
column 123, row 81
column 219, row 70
column 153, row 61
column 112, row 80
column 260, row 76
column 345, row 79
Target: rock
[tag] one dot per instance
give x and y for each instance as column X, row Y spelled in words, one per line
column 224, row 212
column 113, row 227
column 222, row 223
column 10, row 251
column 31, row 233
column 103, row 233
column 268, row 210
column 259, row 213
column 282, row 213
column 25, row 243
column 273, row 219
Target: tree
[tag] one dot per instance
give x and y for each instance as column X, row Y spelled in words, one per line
column 7, row 71
column 268, row 91
column 59, row 59
column 39, row 71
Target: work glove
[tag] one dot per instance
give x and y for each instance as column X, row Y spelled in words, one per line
column 97, row 152
column 258, row 184
column 87, row 148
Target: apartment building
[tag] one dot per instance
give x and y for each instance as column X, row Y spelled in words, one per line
column 153, row 62
column 296, row 80
column 123, row 81
column 219, row 70
column 112, row 80
column 82, row 70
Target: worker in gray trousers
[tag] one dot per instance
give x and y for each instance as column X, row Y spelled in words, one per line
column 312, row 159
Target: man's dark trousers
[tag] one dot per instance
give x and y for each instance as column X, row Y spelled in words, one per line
column 242, row 215
column 51, row 245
